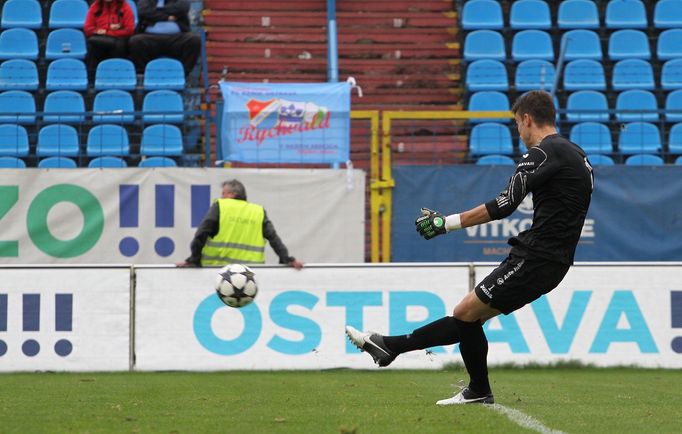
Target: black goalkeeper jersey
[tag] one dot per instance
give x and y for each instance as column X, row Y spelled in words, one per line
column 560, row 178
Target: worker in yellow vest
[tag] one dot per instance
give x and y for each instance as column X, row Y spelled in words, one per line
column 234, row 231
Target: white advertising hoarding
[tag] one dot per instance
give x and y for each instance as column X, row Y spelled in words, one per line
column 149, row 216
column 297, row 320
column 600, row 315
column 62, row 319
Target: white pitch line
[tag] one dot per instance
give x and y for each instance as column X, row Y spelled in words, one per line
column 522, row 419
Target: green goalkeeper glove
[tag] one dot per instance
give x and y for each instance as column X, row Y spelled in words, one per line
column 430, row 224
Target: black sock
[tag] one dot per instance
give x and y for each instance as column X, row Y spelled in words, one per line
column 440, row 332
column 474, row 349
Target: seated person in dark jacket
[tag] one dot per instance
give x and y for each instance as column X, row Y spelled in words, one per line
column 164, row 31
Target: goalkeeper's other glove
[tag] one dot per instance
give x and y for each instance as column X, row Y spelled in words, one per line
column 430, row 224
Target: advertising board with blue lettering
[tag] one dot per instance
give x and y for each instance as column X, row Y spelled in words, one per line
column 285, row 123
column 59, row 319
column 603, row 315
column 634, row 212
column 121, row 216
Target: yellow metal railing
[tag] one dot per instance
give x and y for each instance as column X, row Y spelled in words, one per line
column 382, row 184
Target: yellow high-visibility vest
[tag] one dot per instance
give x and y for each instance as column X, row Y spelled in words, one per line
column 240, row 235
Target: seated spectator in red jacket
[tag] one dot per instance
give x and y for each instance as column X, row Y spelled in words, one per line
column 164, row 31
column 108, row 26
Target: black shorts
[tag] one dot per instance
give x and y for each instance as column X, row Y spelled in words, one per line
column 518, row 281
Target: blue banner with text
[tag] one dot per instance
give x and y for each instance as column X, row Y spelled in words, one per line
column 285, row 123
column 635, row 214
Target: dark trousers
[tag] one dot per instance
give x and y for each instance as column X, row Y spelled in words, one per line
column 185, row 47
column 101, row 47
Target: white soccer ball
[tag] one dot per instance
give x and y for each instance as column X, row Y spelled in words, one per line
column 236, row 285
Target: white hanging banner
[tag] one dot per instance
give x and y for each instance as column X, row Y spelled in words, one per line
column 149, row 216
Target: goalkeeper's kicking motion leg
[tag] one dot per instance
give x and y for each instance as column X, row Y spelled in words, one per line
column 559, row 175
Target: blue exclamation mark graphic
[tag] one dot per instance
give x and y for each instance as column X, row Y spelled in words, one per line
column 31, row 323
column 129, row 211
column 63, row 322
column 676, row 318
column 165, row 217
column 201, row 201
column 3, row 322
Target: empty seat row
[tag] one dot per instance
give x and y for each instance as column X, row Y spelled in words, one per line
column 595, row 160
column 109, row 106
column 572, row 14
column 23, row 44
column 103, row 140
column 589, row 105
column 71, row 74
column 97, row 162
column 581, row 74
column 579, row 44
column 634, row 138
column 63, row 14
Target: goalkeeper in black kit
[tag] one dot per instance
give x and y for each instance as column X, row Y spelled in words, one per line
column 558, row 174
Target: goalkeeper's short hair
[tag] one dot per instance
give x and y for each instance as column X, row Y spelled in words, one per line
column 538, row 104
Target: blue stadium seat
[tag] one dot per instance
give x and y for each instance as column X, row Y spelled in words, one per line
column 639, row 137
column 13, row 140
column 486, row 75
column 115, row 74
column 65, row 43
column 671, row 74
column 490, row 138
column 584, row 74
column 530, row 14
column 673, row 106
column 133, row 7
column 668, row 14
column 107, row 162
column 66, row 74
column 625, row 14
column 17, row 106
column 532, row 44
column 593, row 137
column 675, row 139
column 587, row 105
column 629, row 44
column 633, row 74
column 57, row 163
column 582, row 44
column 18, row 44
column 600, row 160
column 109, row 140
column 644, row 160
column 578, row 14
column 67, row 14
column 161, row 140
column 25, row 14
column 165, row 106
column 533, row 75
column 482, row 14
column 58, row 140
column 19, row 74
column 484, row 44
column 669, row 44
column 164, row 73
column 636, row 105
column 678, row 161
column 113, row 106
column 495, row 160
column 489, row 101
column 12, row 163
column 157, row 162
column 65, row 107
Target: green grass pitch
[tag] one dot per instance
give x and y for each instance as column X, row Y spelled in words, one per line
column 572, row 400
